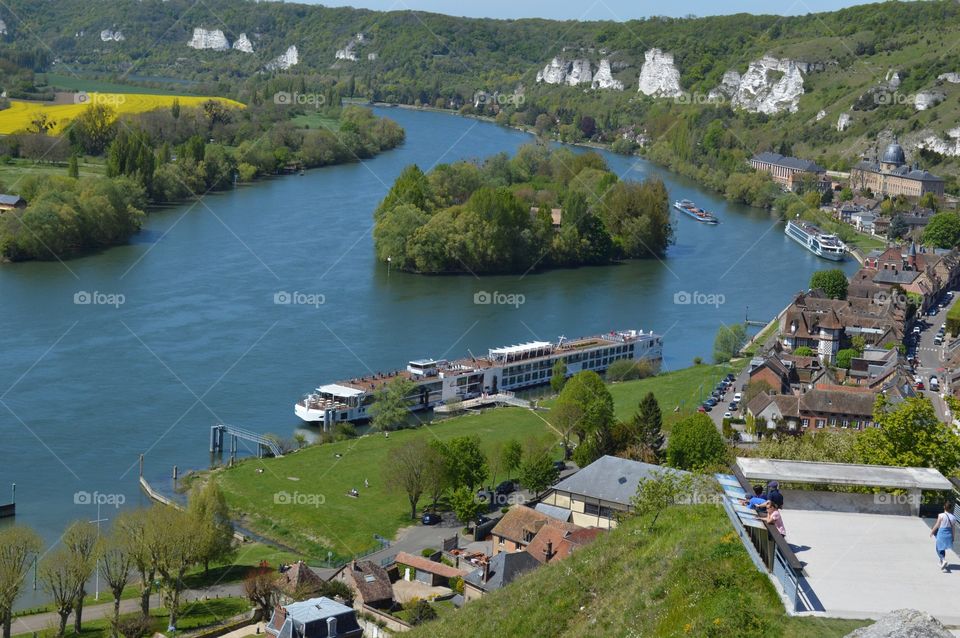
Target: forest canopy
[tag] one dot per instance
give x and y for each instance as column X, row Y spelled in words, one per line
column 540, row 209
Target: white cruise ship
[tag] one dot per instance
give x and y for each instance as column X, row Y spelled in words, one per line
column 815, row 240
column 509, row 368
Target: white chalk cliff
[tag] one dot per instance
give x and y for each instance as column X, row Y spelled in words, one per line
column 243, row 44
column 821, row 114
column 561, row 71
column 952, row 77
column 204, row 39
column 927, row 99
column 843, row 121
column 937, row 144
column 603, row 78
column 284, row 61
column 109, row 35
column 580, row 73
column 658, row 76
column 770, row 86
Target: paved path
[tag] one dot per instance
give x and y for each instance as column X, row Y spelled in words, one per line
column 39, row 622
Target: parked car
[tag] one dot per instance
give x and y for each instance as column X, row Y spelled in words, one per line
column 711, row 402
column 507, row 487
column 706, row 407
column 559, row 466
column 730, row 377
column 727, row 415
column 702, row 409
column 734, row 406
column 481, row 519
column 920, row 386
column 737, row 397
column 430, row 518
column 916, row 330
column 938, row 340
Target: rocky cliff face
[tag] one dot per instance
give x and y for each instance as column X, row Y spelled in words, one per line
column 932, row 142
column 284, row 61
column 109, row 35
column 603, row 78
column 769, row 86
column 843, row 121
column 348, row 52
column 952, row 78
column 243, row 44
column 580, row 73
column 658, row 76
column 204, row 39
column 561, row 71
column 928, row 99
column 903, row 623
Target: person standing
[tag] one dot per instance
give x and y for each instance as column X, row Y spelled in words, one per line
column 943, row 532
column 775, row 518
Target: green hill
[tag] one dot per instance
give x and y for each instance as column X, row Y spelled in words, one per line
column 689, row 577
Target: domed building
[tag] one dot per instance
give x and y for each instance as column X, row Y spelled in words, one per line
column 892, row 176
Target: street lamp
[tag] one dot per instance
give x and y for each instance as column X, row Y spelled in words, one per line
column 96, row 595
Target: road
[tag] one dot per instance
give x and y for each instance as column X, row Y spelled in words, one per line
column 930, row 357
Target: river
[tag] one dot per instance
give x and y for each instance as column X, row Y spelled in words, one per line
column 183, row 330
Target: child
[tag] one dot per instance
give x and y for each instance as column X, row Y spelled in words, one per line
column 774, row 518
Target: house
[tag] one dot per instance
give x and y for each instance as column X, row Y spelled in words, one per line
column 789, row 172
column 298, row 580
column 556, row 540
column 556, row 216
column 784, row 372
column 10, row 202
column 824, row 406
column 892, row 176
column 915, row 269
column 874, row 363
column 369, row 581
column 516, row 529
column 598, row 493
column 864, row 221
column 499, row 571
column 314, row 618
column 425, row 570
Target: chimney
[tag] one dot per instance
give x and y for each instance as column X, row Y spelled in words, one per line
column 353, row 564
column 549, row 550
column 486, row 571
column 332, row 627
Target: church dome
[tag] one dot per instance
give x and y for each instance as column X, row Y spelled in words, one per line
column 894, row 155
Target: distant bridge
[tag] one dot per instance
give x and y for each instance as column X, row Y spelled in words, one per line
column 264, row 444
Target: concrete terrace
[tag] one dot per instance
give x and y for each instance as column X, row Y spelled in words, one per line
column 864, row 565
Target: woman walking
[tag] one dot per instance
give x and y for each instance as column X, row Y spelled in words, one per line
column 943, row 532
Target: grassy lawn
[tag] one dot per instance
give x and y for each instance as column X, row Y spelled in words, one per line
column 16, row 169
column 690, row 576
column 316, row 120
column 193, row 616
column 73, row 83
column 321, row 516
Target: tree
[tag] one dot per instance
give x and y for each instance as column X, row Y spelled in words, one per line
column 846, row 194
column 728, row 342
column 58, row 576
column 858, row 343
column 465, row 461
column 465, row 504
column 406, row 471
column 421, row 611
column 833, row 282
column 943, row 230
column 803, row 351
column 844, row 357
column 436, row 479
column 138, row 539
column 19, row 546
column 73, row 168
column 585, row 404
column 391, row 407
column 898, row 227
column 176, row 551
column 558, row 375
column 695, row 444
column 512, row 456
column 137, row 626
column 262, row 589
column 211, row 517
column 94, row 129
column 537, row 471
column 910, row 435
column 645, row 429
column 83, row 544
column 664, row 489
column 115, row 567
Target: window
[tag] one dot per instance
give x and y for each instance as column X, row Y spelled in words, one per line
column 500, row 541
column 846, row 423
column 821, row 423
column 596, row 510
column 806, row 422
column 833, row 422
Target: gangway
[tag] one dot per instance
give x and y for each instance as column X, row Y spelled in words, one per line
column 220, row 431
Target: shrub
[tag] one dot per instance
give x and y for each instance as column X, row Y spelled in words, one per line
column 428, row 552
column 803, row 351
column 695, row 444
column 629, row 370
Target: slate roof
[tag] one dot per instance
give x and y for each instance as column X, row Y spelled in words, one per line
column 610, row 478
column 789, row 162
column 905, row 172
column 504, row 568
column 559, row 513
column 10, row 200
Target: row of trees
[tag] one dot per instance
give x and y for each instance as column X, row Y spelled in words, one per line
column 155, row 546
column 497, row 216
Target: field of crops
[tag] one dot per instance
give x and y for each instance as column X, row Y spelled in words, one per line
column 20, row 114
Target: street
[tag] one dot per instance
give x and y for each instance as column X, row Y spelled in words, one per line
column 930, row 357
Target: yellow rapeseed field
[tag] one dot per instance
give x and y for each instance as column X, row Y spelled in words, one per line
column 20, row 114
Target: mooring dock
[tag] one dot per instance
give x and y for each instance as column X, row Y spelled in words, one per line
column 501, row 398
